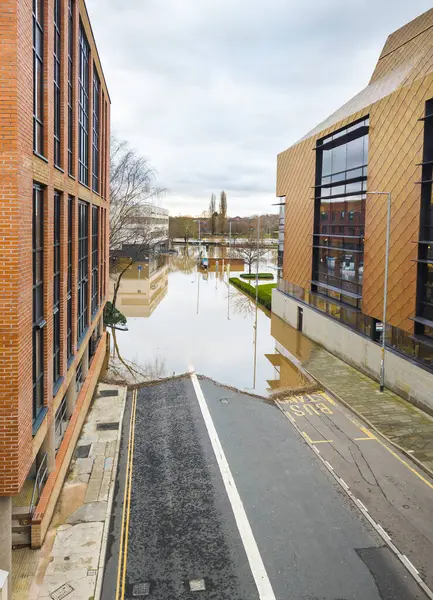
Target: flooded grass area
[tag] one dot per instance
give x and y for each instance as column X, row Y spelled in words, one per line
column 179, row 317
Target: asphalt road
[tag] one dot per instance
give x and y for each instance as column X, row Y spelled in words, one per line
column 217, row 490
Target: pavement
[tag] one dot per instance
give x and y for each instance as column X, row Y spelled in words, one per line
column 71, row 560
column 402, row 423
column 222, row 494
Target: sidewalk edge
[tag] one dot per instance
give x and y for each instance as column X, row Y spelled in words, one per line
column 104, row 542
column 418, row 462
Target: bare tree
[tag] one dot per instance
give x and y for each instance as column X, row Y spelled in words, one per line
column 223, row 212
column 132, row 193
column 250, row 249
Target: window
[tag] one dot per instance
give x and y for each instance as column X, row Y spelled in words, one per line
column 61, row 421
column 83, row 263
column 69, row 345
column 83, row 109
column 341, row 173
column 70, row 87
column 102, row 278
column 56, row 290
column 95, row 257
column 424, row 308
column 95, row 137
column 38, row 301
column 57, row 79
column 38, row 77
column 79, row 378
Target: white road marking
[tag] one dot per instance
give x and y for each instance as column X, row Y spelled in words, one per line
column 362, row 505
column 258, row 570
column 380, row 530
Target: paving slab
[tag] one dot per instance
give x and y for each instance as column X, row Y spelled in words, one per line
column 92, row 511
column 72, row 565
column 402, row 423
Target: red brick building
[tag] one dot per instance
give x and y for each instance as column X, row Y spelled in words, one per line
column 54, row 199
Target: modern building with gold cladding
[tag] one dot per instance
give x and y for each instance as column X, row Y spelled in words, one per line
column 332, row 279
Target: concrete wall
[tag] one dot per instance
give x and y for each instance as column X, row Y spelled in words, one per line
column 401, row 376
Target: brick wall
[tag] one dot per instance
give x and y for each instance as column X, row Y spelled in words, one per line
column 19, row 167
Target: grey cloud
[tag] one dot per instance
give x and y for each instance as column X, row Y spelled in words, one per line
column 211, row 91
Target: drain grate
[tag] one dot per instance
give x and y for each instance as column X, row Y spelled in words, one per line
column 106, row 393
column 62, row 592
column 141, row 589
column 108, row 425
column 197, row 585
column 82, row 451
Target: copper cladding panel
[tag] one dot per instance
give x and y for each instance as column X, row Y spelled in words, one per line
column 395, row 147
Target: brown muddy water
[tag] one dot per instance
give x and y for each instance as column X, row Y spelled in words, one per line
column 179, row 317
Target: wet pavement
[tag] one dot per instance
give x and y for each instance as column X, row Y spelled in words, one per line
column 218, row 492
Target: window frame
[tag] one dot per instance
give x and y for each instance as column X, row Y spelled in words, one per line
column 57, row 83
column 83, row 107
column 38, row 298
column 83, row 264
column 38, row 77
column 96, row 124
column 56, row 289
column 95, row 259
column 71, row 5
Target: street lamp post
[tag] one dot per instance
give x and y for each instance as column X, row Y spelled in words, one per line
column 385, row 287
column 257, row 300
column 228, row 271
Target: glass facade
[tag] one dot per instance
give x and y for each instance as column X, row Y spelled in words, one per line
column 38, row 76
column 95, row 129
column 69, row 344
column 57, row 80
column 95, row 258
column 56, row 290
column 83, row 109
column 338, row 241
column 424, row 309
column 83, row 264
column 38, row 300
column 70, row 87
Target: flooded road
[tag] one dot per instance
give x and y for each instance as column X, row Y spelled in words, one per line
column 178, row 317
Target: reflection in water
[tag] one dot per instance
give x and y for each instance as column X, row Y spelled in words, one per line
column 191, row 328
column 142, row 288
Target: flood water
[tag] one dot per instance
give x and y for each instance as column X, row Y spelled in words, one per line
column 179, row 317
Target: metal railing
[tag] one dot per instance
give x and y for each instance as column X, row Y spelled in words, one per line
column 40, row 481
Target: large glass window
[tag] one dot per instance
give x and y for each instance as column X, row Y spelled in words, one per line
column 70, row 86
column 56, row 290
column 424, row 313
column 38, row 77
column 38, row 300
column 57, row 79
column 95, row 257
column 83, row 264
column 95, row 137
column 83, row 109
column 338, row 242
column 69, row 345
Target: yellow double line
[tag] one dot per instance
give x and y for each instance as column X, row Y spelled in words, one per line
column 124, row 530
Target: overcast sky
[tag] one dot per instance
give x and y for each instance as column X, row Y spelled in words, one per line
column 211, row 90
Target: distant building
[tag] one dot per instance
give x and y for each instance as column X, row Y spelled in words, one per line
column 146, row 231
column 332, row 282
column 54, row 189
